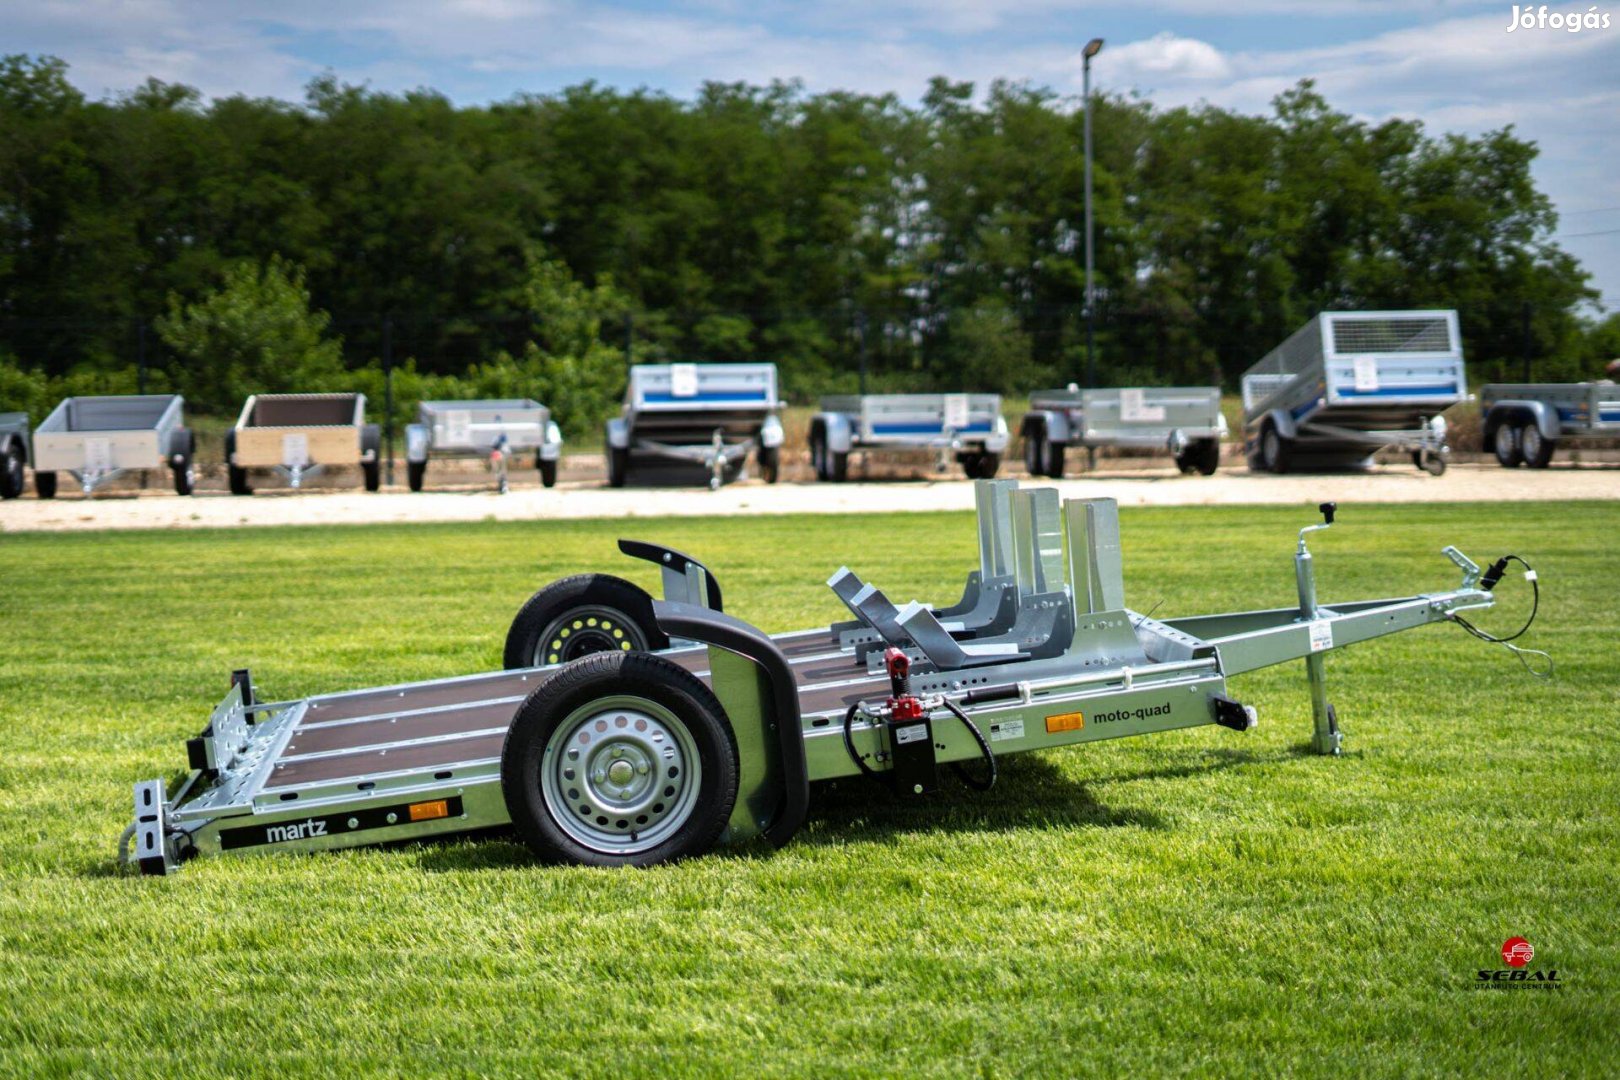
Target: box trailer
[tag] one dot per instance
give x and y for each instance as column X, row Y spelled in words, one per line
column 1349, row 383
column 15, row 454
column 494, row 430
column 1184, row 421
column 300, row 435
column 98, row 439
column 653, row 730
column 969, row 427
column 1525, row 422
column 712, row 415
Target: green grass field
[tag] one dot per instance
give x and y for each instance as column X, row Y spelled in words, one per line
column 1202, row 901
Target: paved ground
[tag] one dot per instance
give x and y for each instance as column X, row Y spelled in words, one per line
column 588, row 499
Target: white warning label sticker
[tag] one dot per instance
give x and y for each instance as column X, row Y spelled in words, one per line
column 1321, row 635
column 1007, row 729
column 911, row 733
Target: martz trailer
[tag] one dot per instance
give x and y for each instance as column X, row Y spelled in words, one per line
column 711, row 415
column 98, row 439
column 969, row 427
column 492, row 429
column 14, row 454
column 1184, row 421
column 628, row 731
column 300, row 435
column 1525, row 422
column 1350, row 383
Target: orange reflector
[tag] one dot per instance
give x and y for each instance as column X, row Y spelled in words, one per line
column 1069, row 721
column 427, row 811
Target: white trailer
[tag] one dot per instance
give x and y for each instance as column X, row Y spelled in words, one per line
column 98, row 439
column 490, row 429
column 1185, row 421
column 1525, row 422
column 711, row 415
column 1349, row 383
column 968, row 426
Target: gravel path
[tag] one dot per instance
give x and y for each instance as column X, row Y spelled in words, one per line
column 588, row 499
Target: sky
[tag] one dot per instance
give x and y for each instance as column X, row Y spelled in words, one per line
column 1453, row 64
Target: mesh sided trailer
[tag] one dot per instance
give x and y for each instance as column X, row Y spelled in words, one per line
column 1350, row 383
column 1525, row 422
column 708, row 415
column 98, row 439
column 969, row 427
column 495, row 430
column 1184, row 421
column 300, row 435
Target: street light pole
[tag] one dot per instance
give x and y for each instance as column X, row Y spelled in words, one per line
column 1093, row 47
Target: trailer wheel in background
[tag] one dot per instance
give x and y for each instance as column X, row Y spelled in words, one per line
column 618, row 466
column 45, row 485
column 548, row 471
column 12, row 478
column 770, row 463
column 1506, row 447
column 580, row 615
column 1433, row 464
column 1034, row 448
column 371, row 441
column 415, row 474
column 183, row 460
column 830, row 465
column 1053, row 459
column 980, row 464
column 1274, row 449
column 1537, row 450
column 238, row 478
column 1202, row 456
column 621, row 759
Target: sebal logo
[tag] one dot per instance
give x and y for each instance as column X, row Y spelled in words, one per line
column 1517, row 954
column 1539, row 18
column 294, row 830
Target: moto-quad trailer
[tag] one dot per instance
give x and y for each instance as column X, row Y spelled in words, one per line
column 628, row 731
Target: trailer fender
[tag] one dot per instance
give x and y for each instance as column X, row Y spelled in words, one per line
column 840, row 432
column 617, row 433
column 1055, row 424
column 1517, row 414
column 770, row 433
column 551, row 447
column 998, row 438
column 417, row 437
column 1283, row 420
column 10, row 439
column 755, row 685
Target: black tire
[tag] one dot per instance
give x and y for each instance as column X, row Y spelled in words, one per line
column 1275, row 450
column 1505, row 445
column 12, row 477
column 547, row 617
column 1035, row 449
column 980, row 464
column 45, row 485
column 1204, row 456
column 618, row 463
column 182, row 460
column 371, row 442
column 548, row 472
column 667, row 698
column 415, row 474
column 770, row 463
column 1536, row 449
column 237, row 478
column 1054, row 459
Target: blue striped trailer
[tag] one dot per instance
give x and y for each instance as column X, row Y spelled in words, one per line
column 1525, row 422
column 710, row 415
column 969, row 427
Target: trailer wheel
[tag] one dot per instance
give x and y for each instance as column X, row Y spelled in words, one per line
column 830, row 465
column 770, row 463
column 415, row 474
column 980, row 464
column 45, row 485
column 371, row 442
column 12, row 478
column 1505, row 444
column 237, row 478
column 1034, row 448
column 620, row 759
column 580, row 615
column 1053, row 459
column 1537, row 450
column 1274, row 449
column 1202, row 456
column 618, row 463
column 182, row 460
column 548, row 471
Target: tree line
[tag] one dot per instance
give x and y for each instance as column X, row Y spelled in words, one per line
column 937, row 244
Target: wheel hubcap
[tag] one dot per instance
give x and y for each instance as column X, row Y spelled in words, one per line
column 620, row 775
column 587, row 630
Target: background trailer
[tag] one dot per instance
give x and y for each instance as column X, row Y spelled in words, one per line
column 15, row 454
column 969, row 427
column 491, row 429
column 711, row 415
column 1349, row 383
column 1184, row 421
column 299, row 435
column 98, row 439
column 1525, row 422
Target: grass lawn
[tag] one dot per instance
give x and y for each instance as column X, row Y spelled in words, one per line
column 1201, row 901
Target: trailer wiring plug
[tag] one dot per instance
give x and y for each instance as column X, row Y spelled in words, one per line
column 1488, row 582
column 984, row 783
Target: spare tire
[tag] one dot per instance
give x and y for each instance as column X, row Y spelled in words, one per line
column 580, row 615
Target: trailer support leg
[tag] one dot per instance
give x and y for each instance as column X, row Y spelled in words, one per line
column 1325, row 737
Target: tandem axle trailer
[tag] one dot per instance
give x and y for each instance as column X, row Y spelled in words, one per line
column 654, row 730
column 1184, row 421
column 969, row 427
column 1525, row 422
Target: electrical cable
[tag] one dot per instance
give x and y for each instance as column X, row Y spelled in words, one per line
column 1488, row 582
column 984, row 748
column 849, row 745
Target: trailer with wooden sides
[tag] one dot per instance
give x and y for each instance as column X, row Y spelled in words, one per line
column 1184, row 421
column 300, row 435
column 98, row 439
column 1525, row 423
column 966, row 427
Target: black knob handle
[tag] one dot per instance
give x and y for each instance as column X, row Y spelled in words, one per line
column 1327, row 510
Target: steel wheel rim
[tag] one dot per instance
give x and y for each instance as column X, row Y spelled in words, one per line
column 585, row 630
column 1531, row 441
column 620, row 775
column 1504, row 445
column 1269, row 446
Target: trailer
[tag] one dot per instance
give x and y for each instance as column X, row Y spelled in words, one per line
column 969, row 427
column 14, row 454
column 1525, row 422
column 1185, row 421
column 494, row 430
column 712, row 415
column 98, row 439
column 654, row 730
column 1350, row 383
column 300, row 435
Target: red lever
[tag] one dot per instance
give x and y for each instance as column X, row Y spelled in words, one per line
column 902, row 705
